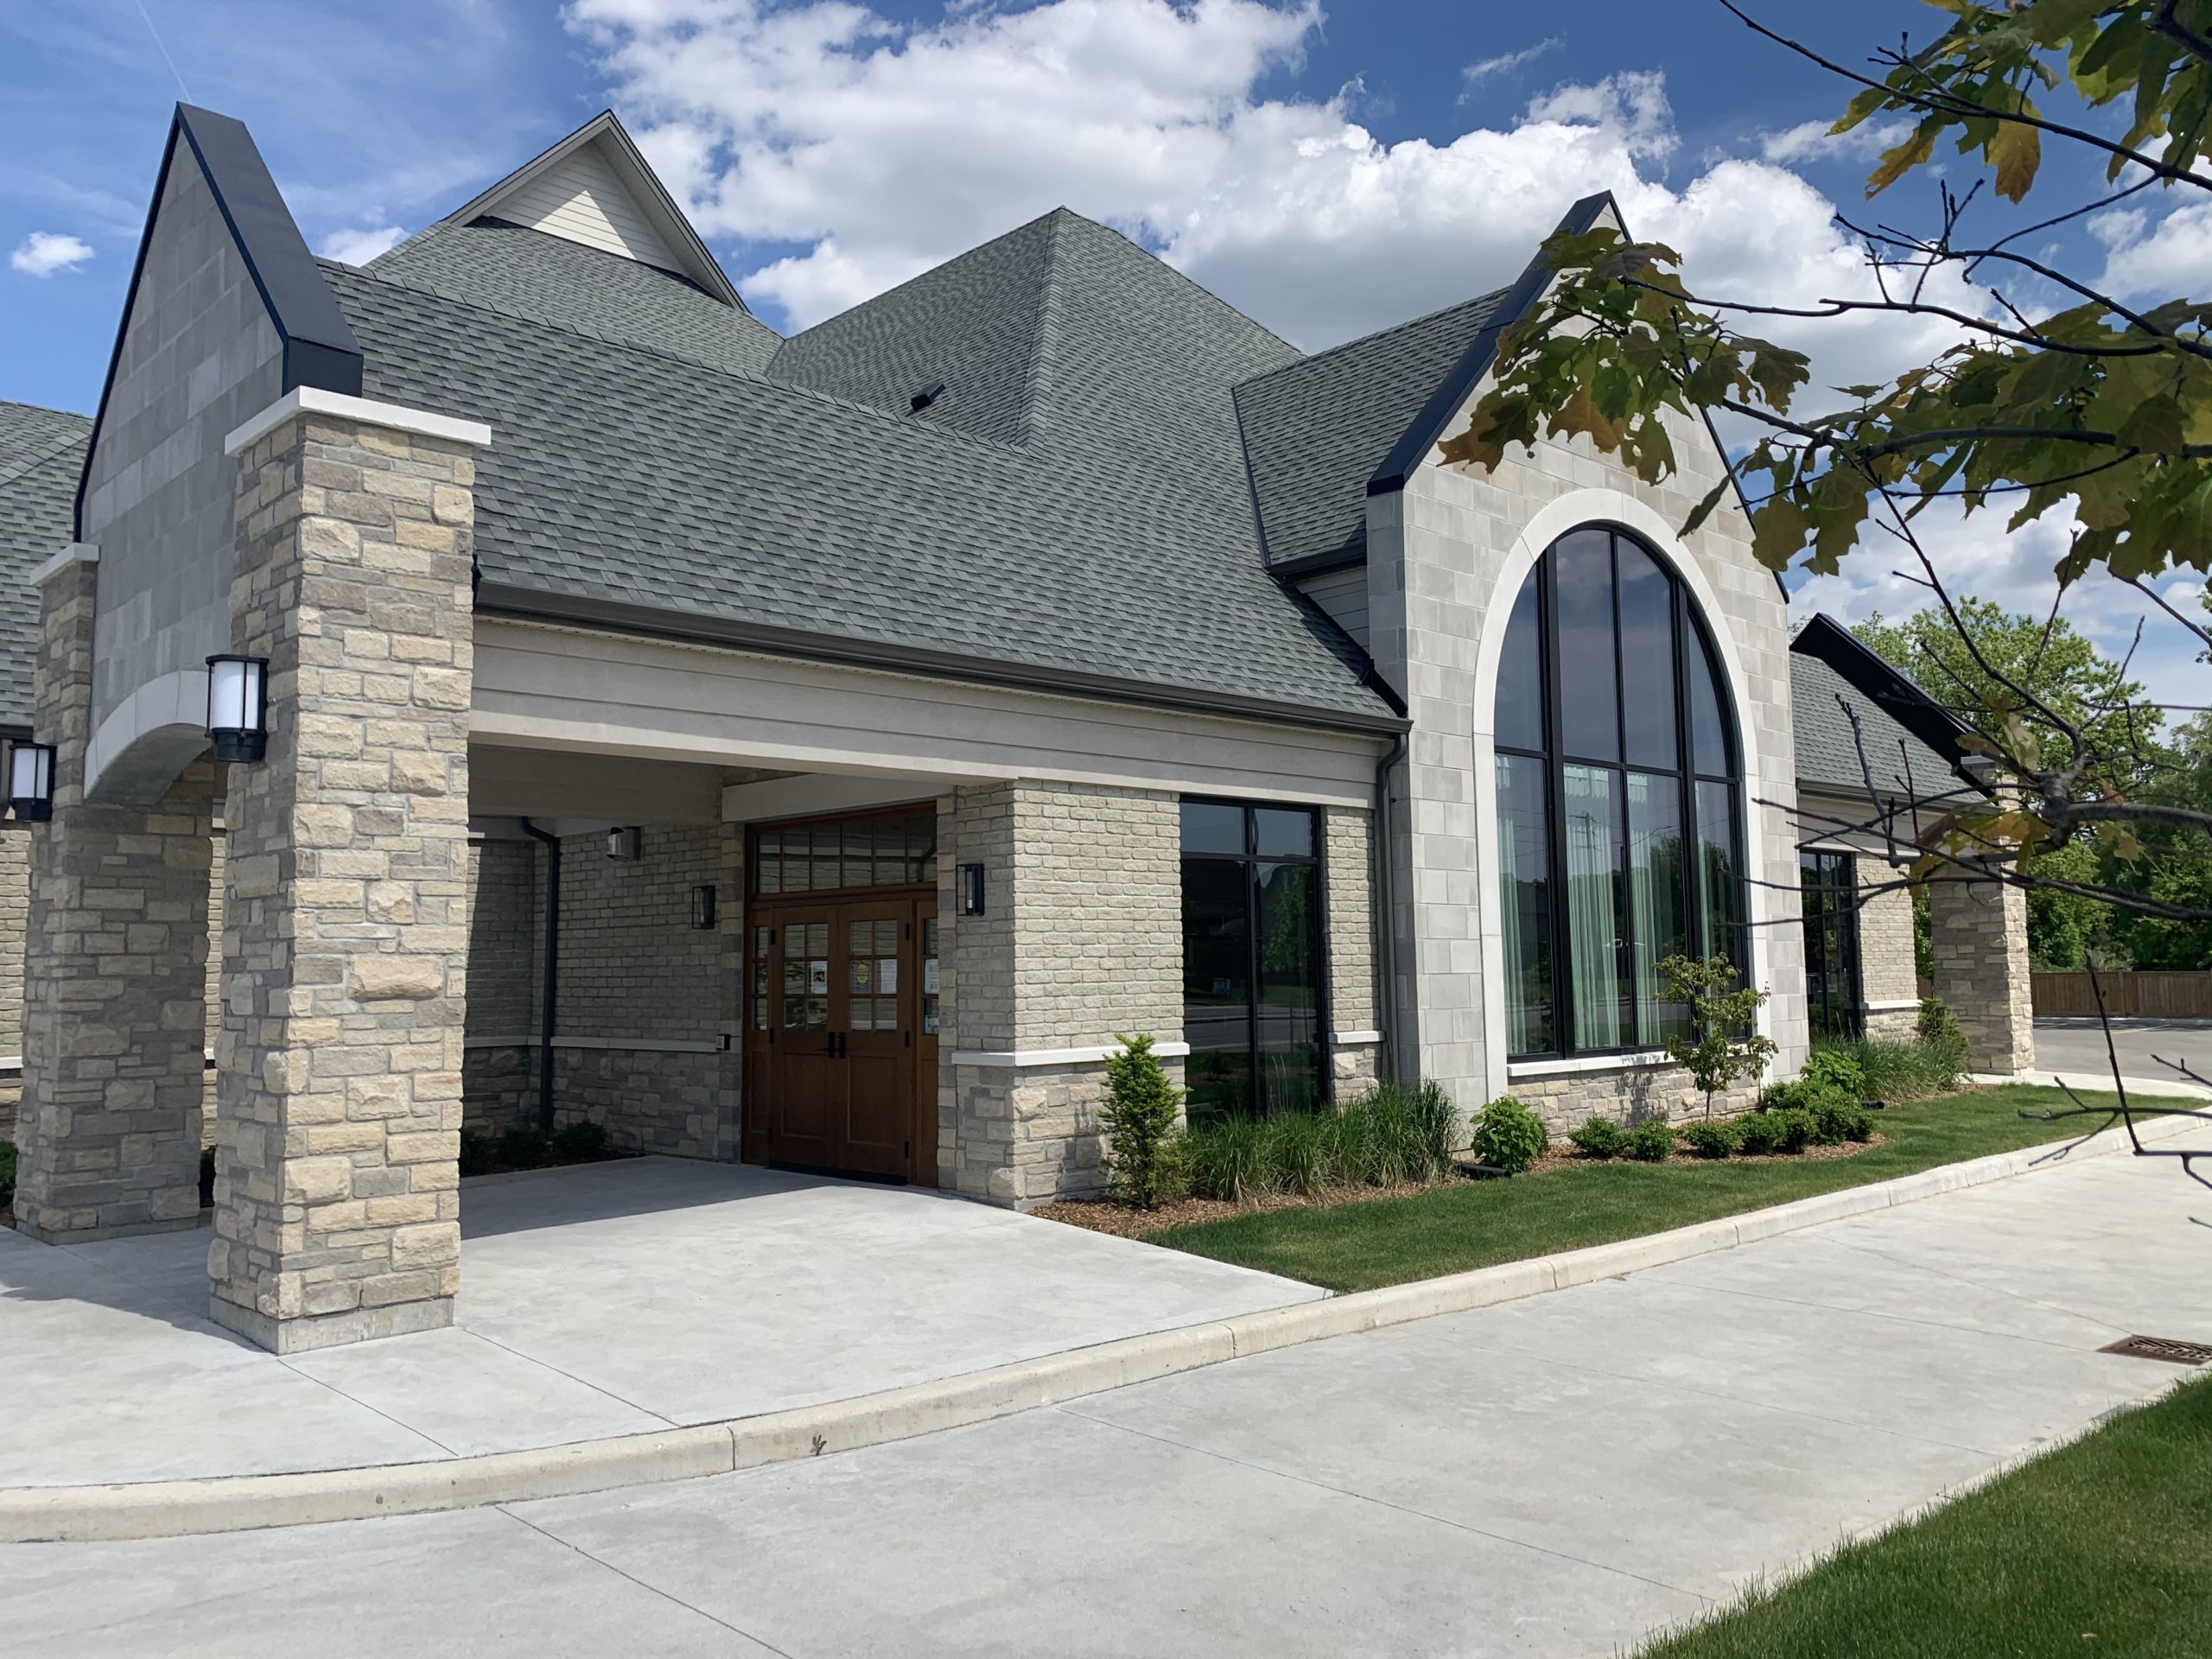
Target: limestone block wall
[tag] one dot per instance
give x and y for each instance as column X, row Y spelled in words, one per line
column 1446, row 557
column 14, row 914
column 1347, row 850
column 1081, row 940
column 1565, row 1098
column 1981, row 937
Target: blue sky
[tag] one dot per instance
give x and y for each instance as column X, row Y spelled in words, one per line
column 1329, row 170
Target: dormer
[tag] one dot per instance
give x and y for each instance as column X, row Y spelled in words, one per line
column 595, row 188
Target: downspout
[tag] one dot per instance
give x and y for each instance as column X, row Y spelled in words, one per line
column 552, row 845
column 1386, row 953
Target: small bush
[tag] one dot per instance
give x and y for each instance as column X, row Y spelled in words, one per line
column 581, row 1139
column 1758, row 1133
column 475, row 1153
column 1437, row 1123
column 1651, row 1141
column 1856, row 1122
column 1598, row 1137
column 1834, row 1118
column 7, row 1171
column 1937, row 1024
column 1712, row 1138
column 1226, row 1159
column 1509, row 1136
column 1138, row 1123
column 1834, row 1070
column 521, row 1147
column 1793, row 1128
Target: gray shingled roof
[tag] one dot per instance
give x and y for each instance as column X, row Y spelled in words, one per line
column 41, row 453
column 1827, row 757
column 1116, row 542
column 1316, row 429
column 525, row 273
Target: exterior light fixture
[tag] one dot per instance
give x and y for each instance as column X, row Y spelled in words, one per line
column 238, row 707
column 626, row 844
column 702, row 906
column 972, row 889
column 30, row 781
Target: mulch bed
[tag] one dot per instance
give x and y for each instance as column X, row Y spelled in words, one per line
column 1101, row 1216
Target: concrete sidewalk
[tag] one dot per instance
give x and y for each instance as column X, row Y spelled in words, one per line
column 1552, row 1475
column 608, row 1300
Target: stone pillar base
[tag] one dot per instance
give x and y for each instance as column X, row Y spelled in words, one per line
column 92, row 1232
column 309, row 1332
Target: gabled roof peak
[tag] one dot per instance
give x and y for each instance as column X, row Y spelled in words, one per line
column 595, row 188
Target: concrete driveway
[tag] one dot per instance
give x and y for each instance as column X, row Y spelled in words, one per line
column 610, row 1299
column 2076, row 1049
column 1556, row 1475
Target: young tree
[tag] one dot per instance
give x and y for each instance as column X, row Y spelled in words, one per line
column 1138, row 1123
column 1722, row 1044
column 2079, row 404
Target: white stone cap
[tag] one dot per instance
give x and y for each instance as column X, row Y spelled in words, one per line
column 1358, row 1039
column 312, row 400
column 75, row 553
column 1029, row 1056
column 1627, row 1062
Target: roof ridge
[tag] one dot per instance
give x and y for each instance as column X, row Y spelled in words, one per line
column 1044, row 349
column 1375, row 334
column 45, row 455
column 1188, row 281
column 645, row 348
column 929, row 271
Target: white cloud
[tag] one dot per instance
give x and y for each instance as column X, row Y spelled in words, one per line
column 358, row 246
column 1811, row 141
column 1484, row 68
column 1977, row 558
column 43, row 253
column 2167, row 259
column 880, row 149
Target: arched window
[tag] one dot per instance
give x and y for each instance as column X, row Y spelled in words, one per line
column 1616, row 756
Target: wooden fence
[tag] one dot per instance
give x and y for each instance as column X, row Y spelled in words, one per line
column 2136, row 995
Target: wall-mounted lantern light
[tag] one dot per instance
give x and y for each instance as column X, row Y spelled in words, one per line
column 238, row 707
column 972, row 889
column 626, row 844
column 30, row 781
column 702, row 906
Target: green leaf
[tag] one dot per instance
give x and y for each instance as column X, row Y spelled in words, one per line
column 2016, row 152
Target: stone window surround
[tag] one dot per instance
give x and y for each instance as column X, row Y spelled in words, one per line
column 1571, row 511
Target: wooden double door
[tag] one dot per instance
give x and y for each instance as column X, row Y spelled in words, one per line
column 840, row 1038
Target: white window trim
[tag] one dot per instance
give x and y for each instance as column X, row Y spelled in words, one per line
column 1641, row 1059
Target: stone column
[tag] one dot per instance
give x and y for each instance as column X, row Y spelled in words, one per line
column 1980, row 932
column 114, row 970
column 346, row 934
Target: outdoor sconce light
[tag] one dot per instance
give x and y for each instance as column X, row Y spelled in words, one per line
column 628, row 845
column 30, row 782
column 702, row 906
column 972, row 889
column 238, row 707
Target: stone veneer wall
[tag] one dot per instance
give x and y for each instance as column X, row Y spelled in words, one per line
column 645, row 1001
column 1347, row 850
column 1887, row 973
column 1981, row 935
column 346, row 939
column 1566, row 1098
column 1081, row 939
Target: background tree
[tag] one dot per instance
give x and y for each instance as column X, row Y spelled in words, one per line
column 2058, row 399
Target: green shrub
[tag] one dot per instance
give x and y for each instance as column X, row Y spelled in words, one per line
column 1834, row 1071
column 1509, row 1136
column 1143, row 1165
column 581, row 1140
column 1437, row 1123
column 1651, row 1141
column 1758, row 1133
column 475, row 1153
column 1712, row 1137
column 1936, row 1024
column 521, row 1147
column 1854, row 1122
column 7, row 1171
column 1225, row 1159
column 1908, row 1071
column 1793, row 1128
column 1298, row 1154
column 1598, row 1137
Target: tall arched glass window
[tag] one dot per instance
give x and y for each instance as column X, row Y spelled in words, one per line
column 1619, row 828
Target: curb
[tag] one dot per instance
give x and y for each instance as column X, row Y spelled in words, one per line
column 171, row 1508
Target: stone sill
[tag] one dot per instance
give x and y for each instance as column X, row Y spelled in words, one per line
column 1517, row 1071
column 633, row 1045
column 1029, row 1056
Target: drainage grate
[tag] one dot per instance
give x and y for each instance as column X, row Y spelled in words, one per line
column 2165, row 1348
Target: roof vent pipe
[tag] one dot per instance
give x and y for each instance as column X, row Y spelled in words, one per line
column 928, row 395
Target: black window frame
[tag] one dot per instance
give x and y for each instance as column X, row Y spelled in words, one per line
column 1829, row 880
column 1251, row 860
column 1689, row 631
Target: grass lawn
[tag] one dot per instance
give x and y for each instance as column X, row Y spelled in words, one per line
column 1466, row 1224
column 2102, row 1547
